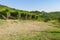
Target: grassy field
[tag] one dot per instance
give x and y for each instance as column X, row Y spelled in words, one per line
column 28, row 30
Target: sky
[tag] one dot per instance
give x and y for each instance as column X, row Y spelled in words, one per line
column 32, row 5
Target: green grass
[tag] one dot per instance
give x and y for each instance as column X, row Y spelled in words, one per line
column 36, row 37
column 2, row 21
column 53, row 34
column 49, row 34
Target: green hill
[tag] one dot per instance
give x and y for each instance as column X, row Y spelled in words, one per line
column 12, row 13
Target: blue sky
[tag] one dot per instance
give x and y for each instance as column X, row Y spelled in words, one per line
column 40, row 5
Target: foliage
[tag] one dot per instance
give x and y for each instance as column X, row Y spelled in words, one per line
column 11, row 13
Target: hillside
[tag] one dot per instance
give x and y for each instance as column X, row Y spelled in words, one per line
column 18, row 24
column 2, row 6
column 11, row 13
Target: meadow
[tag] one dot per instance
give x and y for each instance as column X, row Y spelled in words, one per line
column 28, row 30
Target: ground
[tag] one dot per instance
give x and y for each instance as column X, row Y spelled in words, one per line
column 18, row 29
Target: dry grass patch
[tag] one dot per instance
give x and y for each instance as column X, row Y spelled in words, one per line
column 14, row 29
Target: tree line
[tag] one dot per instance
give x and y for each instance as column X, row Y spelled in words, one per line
column 11, row 13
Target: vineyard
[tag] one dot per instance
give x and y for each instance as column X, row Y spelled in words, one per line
column 11, row 13
column 18, row 24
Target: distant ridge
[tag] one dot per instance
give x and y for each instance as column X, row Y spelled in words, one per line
column 1, row 6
